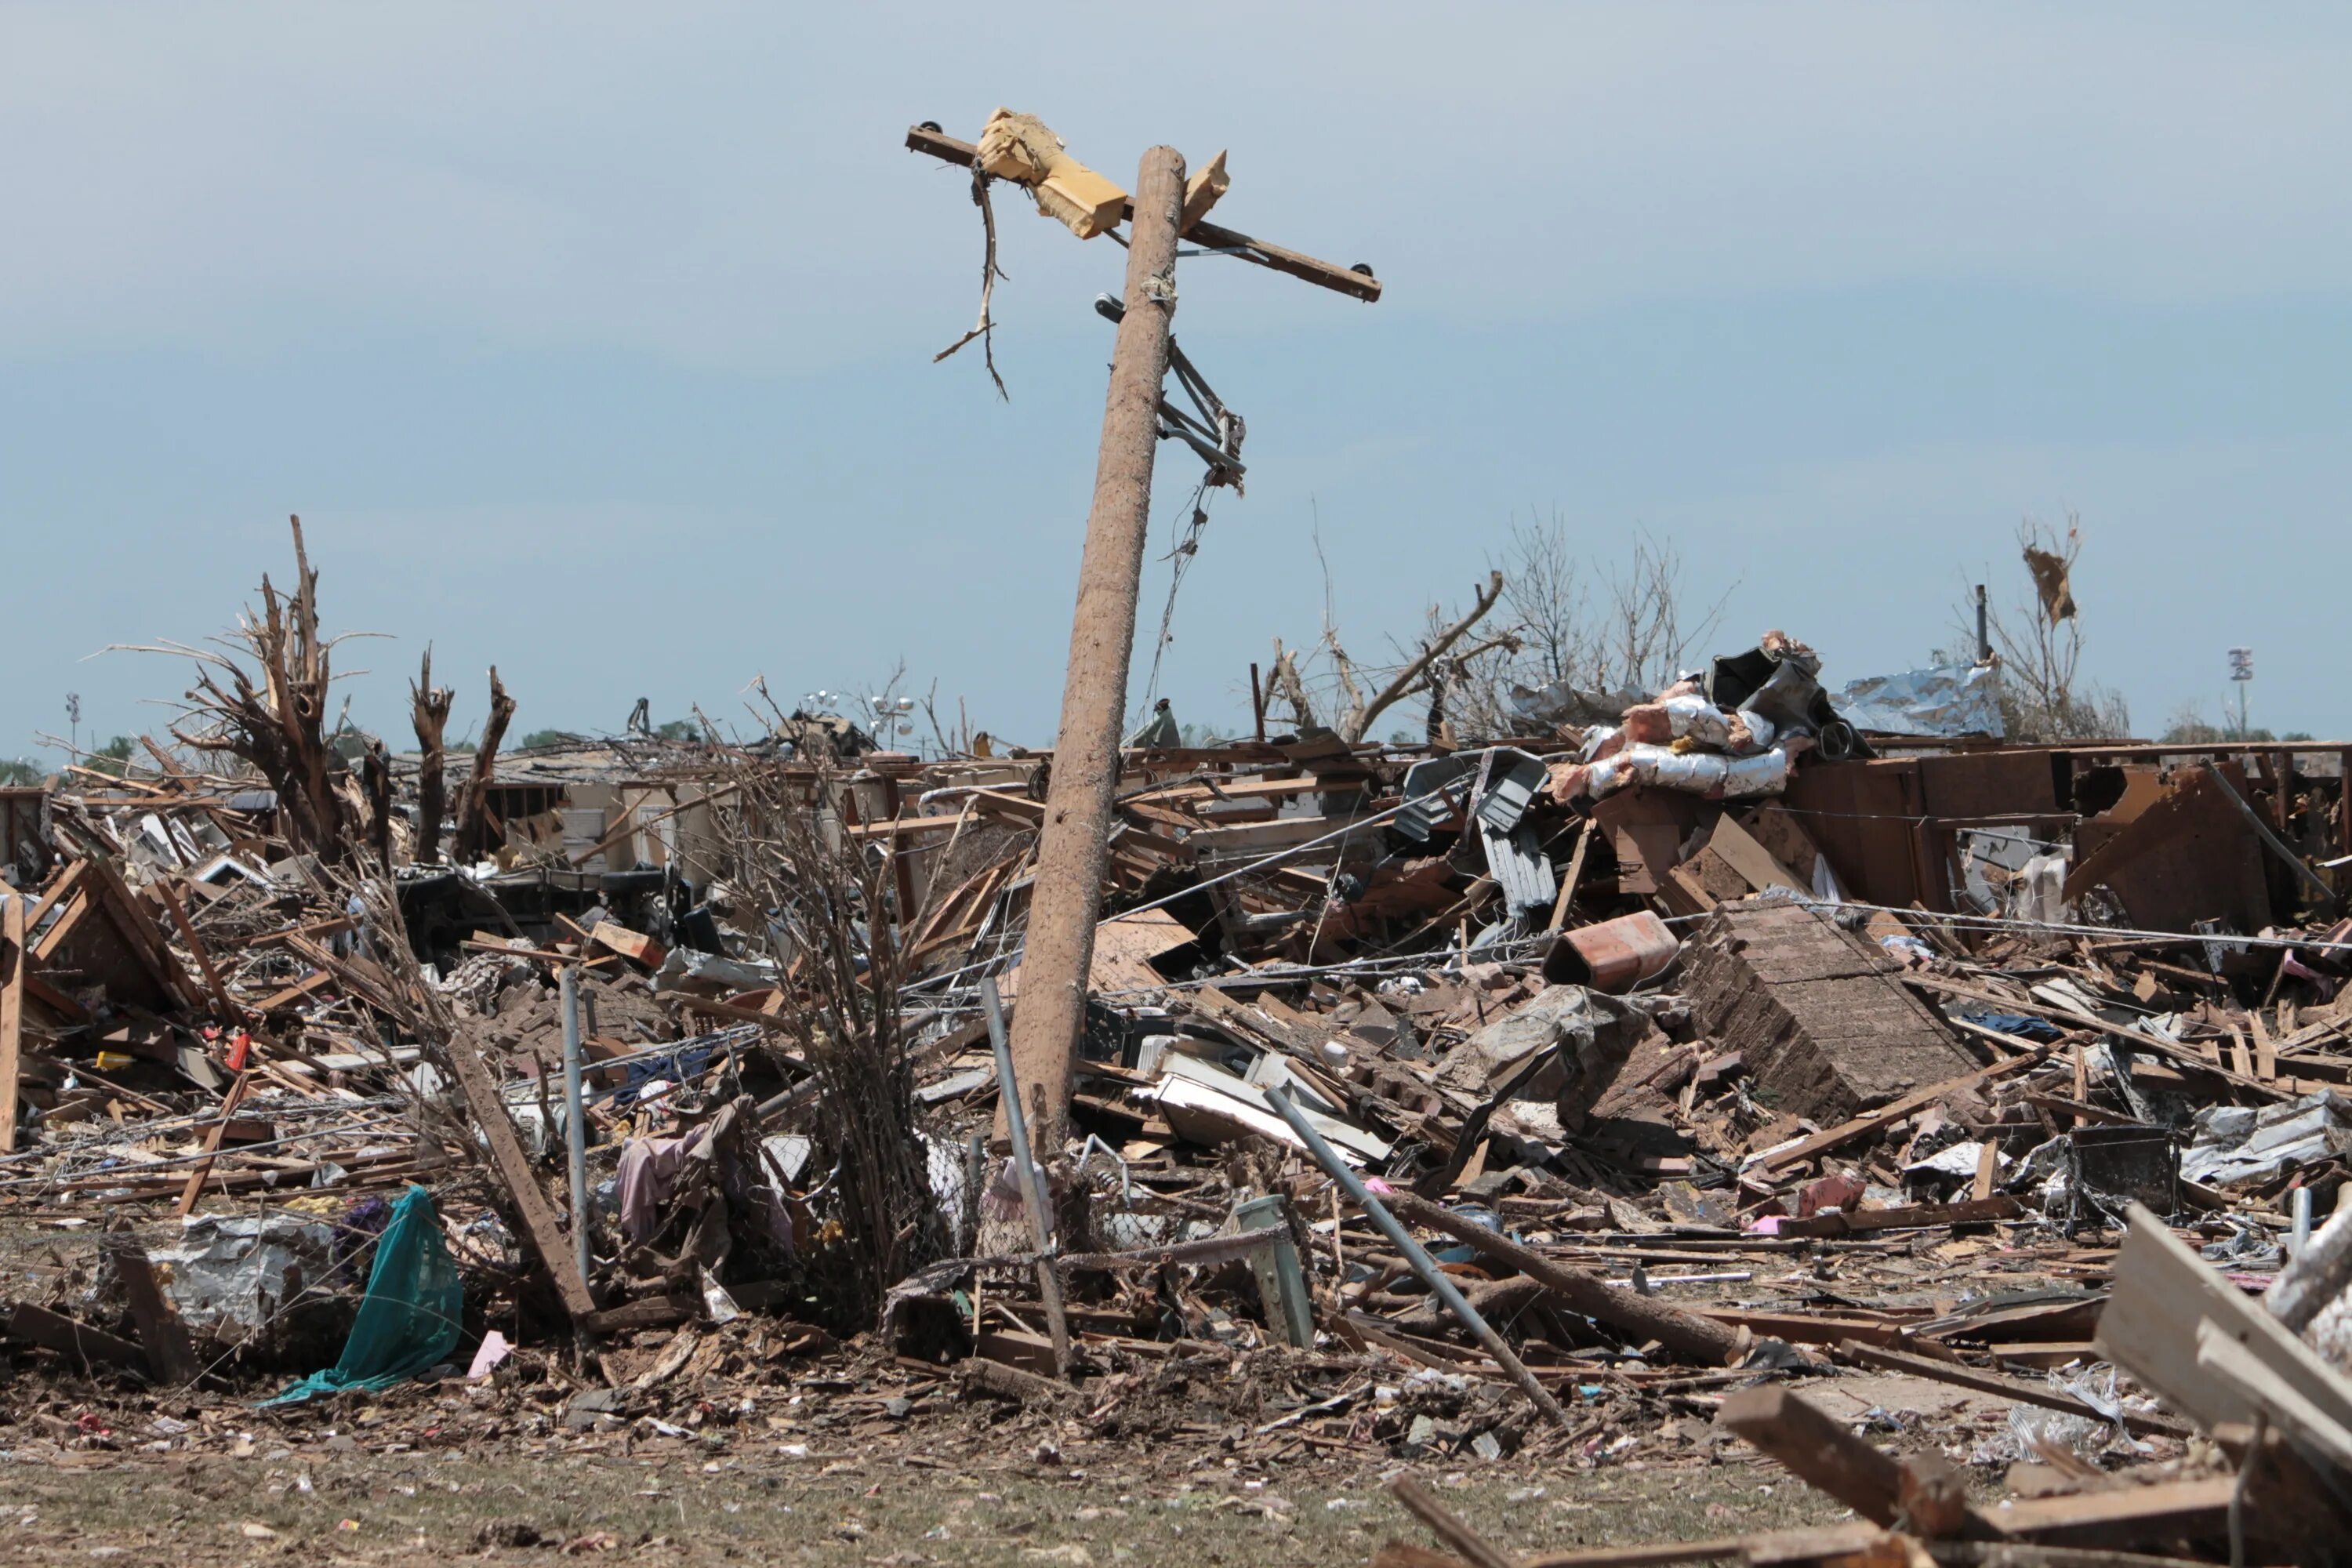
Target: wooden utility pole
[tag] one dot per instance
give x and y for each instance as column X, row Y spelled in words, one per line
column 1074, row 847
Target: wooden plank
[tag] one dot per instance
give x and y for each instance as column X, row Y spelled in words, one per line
column 2004, row 1387
column 1816, row 1328
column 2162, row 1292
column 40, row 1326
column 2266, row 1049
column 891, row 827
column 1817, row 1449
column 2127, row 1514
column 2287, row 1406
column 1987, row 1171
column 12, row 1015
column 195, row 1189
column 1872, row 1122
column 1912, row 1217
column 316, row 982
column 230, row 1011
column 1739, row 850
column 1568, row 884
column 2240, row 1058
column 629, row 944
column 510, row 1166
column 1475, row 1548
column 169, row 1350
column 646, row 1312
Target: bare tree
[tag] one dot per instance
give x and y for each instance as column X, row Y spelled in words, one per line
column 1415, row 675
column 429, row 713
column 474, row 801
column 1549, row 603
column 2038, row 643
column 275, row 719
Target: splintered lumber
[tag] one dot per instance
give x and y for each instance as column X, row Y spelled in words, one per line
column 12, row 1012
column 2003, row 1387
column 1910, row 1217
column 1923, row 1493
column 169, row 1350
column 2163, row 1292
column 40, row 1326
column 1644, row 1317
column 510, row 1165
column 1213, row 237
column 1887, row 1115
column 229, row 1011
column 633, row 945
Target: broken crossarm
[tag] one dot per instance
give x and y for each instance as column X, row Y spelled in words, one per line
column 1357, row 281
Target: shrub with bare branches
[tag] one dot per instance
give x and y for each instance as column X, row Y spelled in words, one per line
column 831, row 926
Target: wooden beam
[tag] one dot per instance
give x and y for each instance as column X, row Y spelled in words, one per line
column 1817, row 1449
column 1213, row 237
column 2005, row 1388
column 40, row 1326
column 2163, row 1292
column 511, row 1167
column 2163, row 1512
column 195, row 1189
column 230, row 1011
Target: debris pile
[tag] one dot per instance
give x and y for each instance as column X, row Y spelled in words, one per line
column 1725, row 1073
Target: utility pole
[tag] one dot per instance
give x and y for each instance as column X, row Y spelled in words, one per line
column 1067, row 896
column 1074, row 847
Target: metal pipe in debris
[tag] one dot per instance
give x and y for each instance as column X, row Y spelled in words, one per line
column 1032, row 1183
column 575, row 1120
column 1420, row 1262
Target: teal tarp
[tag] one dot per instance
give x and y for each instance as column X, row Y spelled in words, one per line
column 408, row 1322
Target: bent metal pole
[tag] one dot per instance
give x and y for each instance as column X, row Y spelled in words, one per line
column 1415, row 1258
column 1074, row 849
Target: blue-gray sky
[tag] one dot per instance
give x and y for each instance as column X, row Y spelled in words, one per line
column 594, row 340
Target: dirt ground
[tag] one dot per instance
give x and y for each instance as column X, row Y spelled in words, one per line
column 305, row 1499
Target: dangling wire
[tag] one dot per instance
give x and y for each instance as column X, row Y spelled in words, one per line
column 1186, row 548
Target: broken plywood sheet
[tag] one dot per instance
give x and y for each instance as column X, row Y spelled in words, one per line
column 1125, row 946
column 1825, row 1027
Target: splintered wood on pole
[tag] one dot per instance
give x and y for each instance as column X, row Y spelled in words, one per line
column 1066, row 899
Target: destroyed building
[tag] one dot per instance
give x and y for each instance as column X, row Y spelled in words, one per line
column 1746, row 1039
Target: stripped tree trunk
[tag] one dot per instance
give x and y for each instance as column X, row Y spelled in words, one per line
column 474, row 809
column 431, row 703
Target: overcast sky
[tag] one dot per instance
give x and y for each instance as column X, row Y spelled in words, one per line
column 594, row 340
